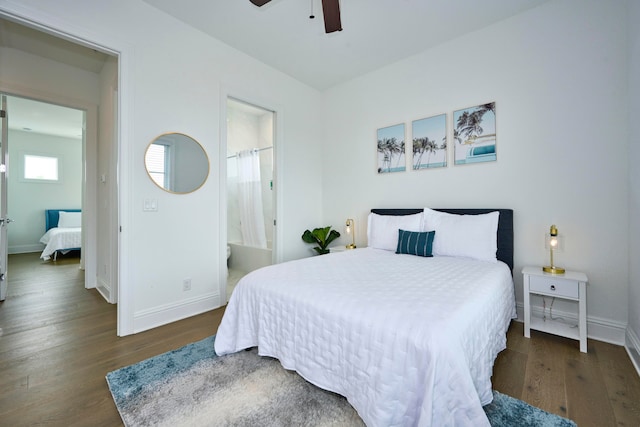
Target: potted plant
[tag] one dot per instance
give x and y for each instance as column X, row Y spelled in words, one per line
column 320, row 237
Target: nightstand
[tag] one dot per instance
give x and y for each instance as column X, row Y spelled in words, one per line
column 571, row 286
column 335, row 249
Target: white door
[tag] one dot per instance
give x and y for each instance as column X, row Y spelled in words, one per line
column 4, row 221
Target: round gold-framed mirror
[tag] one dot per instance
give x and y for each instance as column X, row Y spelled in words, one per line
column 176, row 163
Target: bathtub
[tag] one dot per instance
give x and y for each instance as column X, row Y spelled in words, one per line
column 249, row 258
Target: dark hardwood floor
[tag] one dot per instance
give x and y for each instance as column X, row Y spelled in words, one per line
column 58, row 341
column 599, row 388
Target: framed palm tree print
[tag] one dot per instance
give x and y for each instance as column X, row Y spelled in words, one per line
column 391, row 150
column 429, row 142
column 474, row 134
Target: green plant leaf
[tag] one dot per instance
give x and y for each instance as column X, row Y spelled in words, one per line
column 309, row 237
column 333, row 235
column 321, row 236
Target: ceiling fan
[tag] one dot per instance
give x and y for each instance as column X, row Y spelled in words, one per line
column 330, row 9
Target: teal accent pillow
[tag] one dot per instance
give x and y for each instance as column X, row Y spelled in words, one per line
column 415, row 243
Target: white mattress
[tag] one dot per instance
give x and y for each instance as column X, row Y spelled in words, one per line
column 408, row 340
column 59, row 239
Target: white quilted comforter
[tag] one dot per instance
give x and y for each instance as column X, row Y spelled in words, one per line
column 410, row 341
column 59, row 239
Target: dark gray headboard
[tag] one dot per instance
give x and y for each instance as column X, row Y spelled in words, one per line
column 505, row 227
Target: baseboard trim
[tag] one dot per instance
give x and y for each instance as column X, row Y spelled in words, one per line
column 157, row 316
column 25, row 249
column 632, row 345
column 104, row 289
column 600, row 329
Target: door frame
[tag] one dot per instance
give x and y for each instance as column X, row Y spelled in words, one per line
column 4, row 219
column 111, row 43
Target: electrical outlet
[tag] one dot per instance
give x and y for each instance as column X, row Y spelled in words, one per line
column 186, row 285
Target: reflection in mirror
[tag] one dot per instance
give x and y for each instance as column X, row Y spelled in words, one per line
column 176, row 163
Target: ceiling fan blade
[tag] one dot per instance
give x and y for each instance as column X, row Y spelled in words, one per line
column 331, row 10
column 259, row 3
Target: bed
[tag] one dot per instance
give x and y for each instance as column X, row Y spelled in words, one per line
column 63, row 232
column 408, row 340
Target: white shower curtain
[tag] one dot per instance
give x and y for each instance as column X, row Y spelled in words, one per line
column 250, row 199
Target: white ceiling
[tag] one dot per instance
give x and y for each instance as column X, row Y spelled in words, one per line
column 40, row 117
column 375, row 32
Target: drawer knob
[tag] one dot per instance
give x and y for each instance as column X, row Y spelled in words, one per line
column 553, row 287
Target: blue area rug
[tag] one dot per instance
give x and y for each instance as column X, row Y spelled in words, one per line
column 508, row 411
column 192, row 386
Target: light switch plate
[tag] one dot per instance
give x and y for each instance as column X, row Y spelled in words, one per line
column 150, row 205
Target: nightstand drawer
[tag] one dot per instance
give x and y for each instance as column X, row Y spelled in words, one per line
column 554, row 286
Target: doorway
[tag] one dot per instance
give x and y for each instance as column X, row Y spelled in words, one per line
column 46, row 145
column 89, row 82
column 251, row 198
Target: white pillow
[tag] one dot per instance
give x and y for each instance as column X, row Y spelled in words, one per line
column 70, row 219
column 382, row 230
column 470, row 236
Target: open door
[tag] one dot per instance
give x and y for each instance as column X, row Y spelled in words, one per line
column 4, row 221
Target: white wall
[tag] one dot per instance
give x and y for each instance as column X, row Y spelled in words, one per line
column 266, row 172
column 26, row 71
column 633, row 340
column 27, row 200
column 558, row 76
column 174, row 78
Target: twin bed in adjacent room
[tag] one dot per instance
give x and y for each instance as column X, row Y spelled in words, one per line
column 63, row 232
column 406, row 329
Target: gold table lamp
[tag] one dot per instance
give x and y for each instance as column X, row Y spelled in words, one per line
column 350, row 229
column 553, row 242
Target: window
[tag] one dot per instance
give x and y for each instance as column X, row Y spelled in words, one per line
column 156, row 161
column 40, row 168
